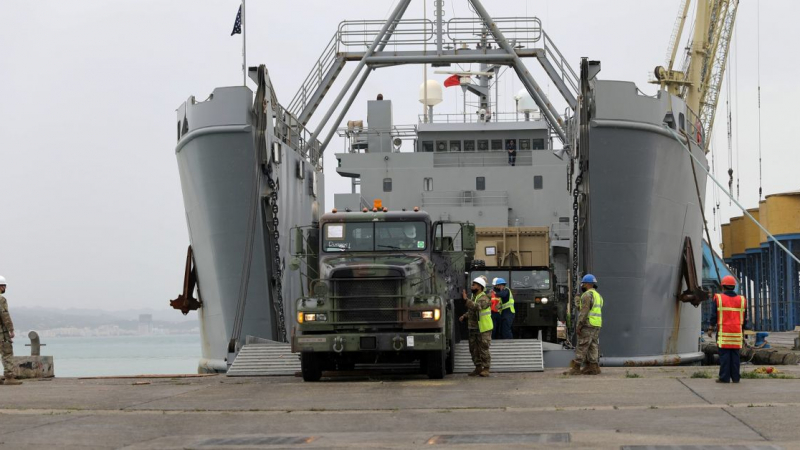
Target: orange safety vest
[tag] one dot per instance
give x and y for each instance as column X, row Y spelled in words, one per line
column 730, row 319
column 495, row 302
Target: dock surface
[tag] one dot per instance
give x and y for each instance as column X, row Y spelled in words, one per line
column 622, row 408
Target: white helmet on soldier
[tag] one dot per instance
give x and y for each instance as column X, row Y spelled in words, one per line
column 2, row 280
column 480, row 281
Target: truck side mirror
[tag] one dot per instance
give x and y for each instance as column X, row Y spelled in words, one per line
column 468, row 237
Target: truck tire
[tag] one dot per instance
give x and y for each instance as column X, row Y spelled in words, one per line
column 436, row 364
column 450, row 364
column 310, row 367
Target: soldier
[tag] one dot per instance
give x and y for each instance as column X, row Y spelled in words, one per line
column 479, row 321
column 588, row 329
column 7, row 328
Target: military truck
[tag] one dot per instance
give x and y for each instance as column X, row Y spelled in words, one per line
column 381, row 288
column 521, row 256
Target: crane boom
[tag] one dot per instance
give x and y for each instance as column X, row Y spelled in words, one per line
column 723, row 20
column 700, row 80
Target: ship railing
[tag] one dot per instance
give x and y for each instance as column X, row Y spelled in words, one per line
column 565, row 71
column 465, row 198
column 291, row 132
column 504, row 117
column 457, row 32
column 496, row 158
column 315, row 77
column 357, row 136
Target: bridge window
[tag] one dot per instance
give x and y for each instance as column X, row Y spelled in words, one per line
column 427, row 184
column 441, row 146
column 469, row 146
column 427, row 146
column 387, row 185
column 455, row 146
column 537, row 182
column 524, row 144
column 483, row 145
column 480, row 183
column 497, row 144
column 538, row 144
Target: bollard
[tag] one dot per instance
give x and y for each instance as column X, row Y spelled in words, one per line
column 36, row 347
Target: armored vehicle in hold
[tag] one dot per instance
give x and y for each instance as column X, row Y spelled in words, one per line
column 381, row 290
column 521, row 256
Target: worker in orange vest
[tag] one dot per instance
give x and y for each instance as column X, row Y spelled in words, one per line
column 730, row 317
column 495, row 311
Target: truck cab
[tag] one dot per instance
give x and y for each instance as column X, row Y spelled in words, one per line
column 381, row 287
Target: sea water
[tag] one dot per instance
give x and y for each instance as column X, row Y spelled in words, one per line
column 118, row 355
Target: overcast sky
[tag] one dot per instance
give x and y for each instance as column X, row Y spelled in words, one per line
column 91, row 213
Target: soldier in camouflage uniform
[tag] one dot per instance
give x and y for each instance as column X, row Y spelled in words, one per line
column 7, row 329
column 479, row 322
column 588, row 330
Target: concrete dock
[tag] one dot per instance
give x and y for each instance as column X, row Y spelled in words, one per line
column 632, row 408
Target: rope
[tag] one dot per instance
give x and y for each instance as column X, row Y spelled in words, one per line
column 703, row 214
column 758, row 40
column 742, row 208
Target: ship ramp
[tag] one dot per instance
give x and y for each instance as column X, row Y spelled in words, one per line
column 270, row 358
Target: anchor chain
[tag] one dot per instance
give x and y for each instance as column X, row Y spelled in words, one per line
column 277, row 272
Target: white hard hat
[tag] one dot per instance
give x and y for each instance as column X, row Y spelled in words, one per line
column 480, row 281
column 2, row 280
column 494, row 281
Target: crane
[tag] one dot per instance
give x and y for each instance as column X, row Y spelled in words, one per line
column 700, row 79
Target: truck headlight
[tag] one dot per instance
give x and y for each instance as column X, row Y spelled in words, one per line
column 313, row 317
column 432, row 315
column 544, row 300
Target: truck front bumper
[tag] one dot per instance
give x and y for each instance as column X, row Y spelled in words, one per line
column 370, row 342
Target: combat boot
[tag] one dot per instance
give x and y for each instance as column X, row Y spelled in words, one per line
column 484, row 373
column 11, row 381
column 475, row 372
column 574, row 369
column 591, row 369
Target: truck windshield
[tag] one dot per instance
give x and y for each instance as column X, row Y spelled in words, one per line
column 374, row 236
column 530, row 279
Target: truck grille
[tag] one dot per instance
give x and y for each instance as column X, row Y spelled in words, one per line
column 365, row 300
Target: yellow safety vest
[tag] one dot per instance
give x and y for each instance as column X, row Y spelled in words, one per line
column 509, row 303
column 595, row 314
column 485, row 316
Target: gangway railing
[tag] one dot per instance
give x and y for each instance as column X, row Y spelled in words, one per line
column 563, row 71
column 320, row 73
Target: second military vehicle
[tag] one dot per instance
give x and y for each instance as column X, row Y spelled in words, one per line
column 381, row 290
column 521, row 256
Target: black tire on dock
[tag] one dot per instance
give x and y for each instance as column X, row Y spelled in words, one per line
column 310, row 367
column 437, row 364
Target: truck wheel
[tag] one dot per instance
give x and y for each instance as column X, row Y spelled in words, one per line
column 310, row 367
column 450, row 364
column 436, row 364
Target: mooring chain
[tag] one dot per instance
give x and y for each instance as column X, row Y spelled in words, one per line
column 277, row 276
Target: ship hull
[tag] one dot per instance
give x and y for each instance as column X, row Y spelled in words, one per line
column 222, row 192
column 643, row 203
